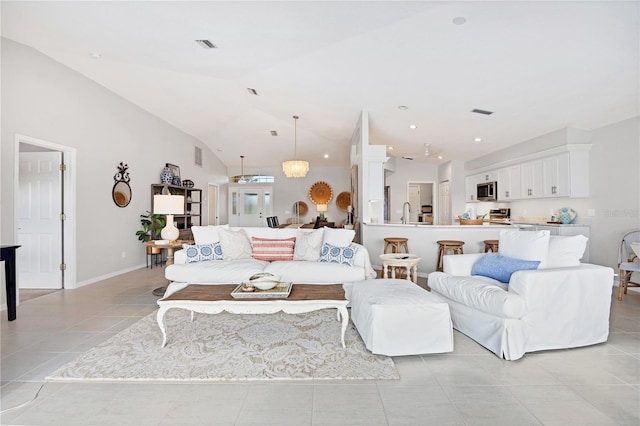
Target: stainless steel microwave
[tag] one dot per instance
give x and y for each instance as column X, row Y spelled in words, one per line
column 487, row 191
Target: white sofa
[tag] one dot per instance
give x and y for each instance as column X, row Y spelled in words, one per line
column 243, row 265
column 561, row 304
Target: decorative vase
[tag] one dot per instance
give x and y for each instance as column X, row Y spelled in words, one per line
column 176, row 180
column 166, row 176
column 565, row 216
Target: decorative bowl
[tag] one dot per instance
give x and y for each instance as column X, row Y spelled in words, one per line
column 264, row 280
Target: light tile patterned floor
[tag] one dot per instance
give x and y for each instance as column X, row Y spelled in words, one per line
column 470, row 386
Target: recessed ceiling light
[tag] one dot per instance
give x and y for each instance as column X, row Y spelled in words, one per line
column 440, row 157
column 254, row 92
column 95, row 55
column 273, row 133
column 460, row 20
column 477, row 139
column 390, row 148
column 413, row 126
column 403, row 107
column 206, row 44
column 326, row 156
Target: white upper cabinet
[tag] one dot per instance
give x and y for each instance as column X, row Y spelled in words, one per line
column 531, row 179
column 560, row 174
column 471, row 186
column 509, row 183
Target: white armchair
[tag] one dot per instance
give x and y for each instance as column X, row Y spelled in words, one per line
column 551, row 308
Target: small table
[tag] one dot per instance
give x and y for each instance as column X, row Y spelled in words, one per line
column 170, row 246
column 215, row 298
column 400, row 260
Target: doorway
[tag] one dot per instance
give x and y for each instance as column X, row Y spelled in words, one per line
column 249, row 205
column 44, row 220
column 213, row 215
column 421, row 197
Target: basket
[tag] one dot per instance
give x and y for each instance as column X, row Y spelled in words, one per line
column 470, row 221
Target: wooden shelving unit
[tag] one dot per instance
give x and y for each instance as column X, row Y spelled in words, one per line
column 192, row 207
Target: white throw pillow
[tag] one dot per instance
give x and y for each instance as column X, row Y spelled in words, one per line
column 525, row 245
column 566, row 251
column 235, row 244
column 308, row 245
column 338, row 237
column 206, row 234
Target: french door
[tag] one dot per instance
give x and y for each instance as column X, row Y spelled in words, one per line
column 249, row 206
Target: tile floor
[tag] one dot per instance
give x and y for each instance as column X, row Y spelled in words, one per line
column 598, row 385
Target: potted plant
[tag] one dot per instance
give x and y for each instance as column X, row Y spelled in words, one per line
column 152, row 225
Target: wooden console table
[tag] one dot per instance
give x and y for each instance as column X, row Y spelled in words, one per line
column 8, row 255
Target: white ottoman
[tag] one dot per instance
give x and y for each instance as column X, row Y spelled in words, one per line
column 397, row 317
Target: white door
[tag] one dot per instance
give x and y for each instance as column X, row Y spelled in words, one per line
column 444, row 204
column 213, row 205
column 39, row 224
column 414, row 200
column 249, row 206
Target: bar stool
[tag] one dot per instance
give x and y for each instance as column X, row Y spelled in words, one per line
column 446, row 245
column 491, row 245
column 396, row 244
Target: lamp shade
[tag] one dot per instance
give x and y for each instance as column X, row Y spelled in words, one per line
column 322, row 208
column 168, row 204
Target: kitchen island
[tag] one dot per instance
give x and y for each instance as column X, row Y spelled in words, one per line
column 422, row 239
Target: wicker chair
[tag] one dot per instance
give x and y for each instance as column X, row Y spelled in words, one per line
column 628, row 261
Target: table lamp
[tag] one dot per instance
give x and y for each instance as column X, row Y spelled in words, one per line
column 322, row 208
column 169, row 205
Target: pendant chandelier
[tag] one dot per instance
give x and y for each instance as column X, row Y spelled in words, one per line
column 295, row 168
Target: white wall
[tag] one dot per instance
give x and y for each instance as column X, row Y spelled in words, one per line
column 42, row 98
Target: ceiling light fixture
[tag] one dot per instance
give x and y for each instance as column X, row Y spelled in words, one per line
column 403, row 107
column 440, row 157
column 413, row 126
column 460, row 20
column 390, row 148
column 95, row 55
column 477, row 139
column 326, row 156
column 295, row 168
column 206, row 44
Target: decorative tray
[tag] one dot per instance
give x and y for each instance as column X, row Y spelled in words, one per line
column 282, row 290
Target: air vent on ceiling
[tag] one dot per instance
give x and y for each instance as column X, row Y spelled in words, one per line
column 482, row 111
column 254, row 92
column 206, row 44
column 273, row 133
column 407, row 157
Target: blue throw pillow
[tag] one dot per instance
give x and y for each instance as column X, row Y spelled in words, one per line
column 342, row 255
column 200, row 252
column 501, row 267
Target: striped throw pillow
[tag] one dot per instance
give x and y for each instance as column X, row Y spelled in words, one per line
column 269, row 250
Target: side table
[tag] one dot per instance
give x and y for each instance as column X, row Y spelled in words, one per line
column 400, row 260
column 171, row 246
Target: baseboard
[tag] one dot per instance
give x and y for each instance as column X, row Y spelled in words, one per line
column 107, row 276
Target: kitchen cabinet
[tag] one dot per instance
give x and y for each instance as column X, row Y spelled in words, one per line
column 531, row 182
column 555, row 174
column 509, row 183
column 471, row 185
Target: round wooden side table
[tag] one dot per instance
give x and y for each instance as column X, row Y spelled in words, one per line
column 400, row 260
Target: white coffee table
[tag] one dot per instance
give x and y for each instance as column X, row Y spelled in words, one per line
column 400, row 260
column 215, row 298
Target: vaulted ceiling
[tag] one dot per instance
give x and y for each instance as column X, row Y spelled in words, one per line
column 538, row 66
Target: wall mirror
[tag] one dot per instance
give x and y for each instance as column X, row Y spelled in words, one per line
column 121, row 191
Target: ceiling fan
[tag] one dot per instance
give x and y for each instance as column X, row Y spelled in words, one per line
column 427, row 155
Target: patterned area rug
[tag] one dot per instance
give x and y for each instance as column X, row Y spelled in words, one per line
column 231, row 347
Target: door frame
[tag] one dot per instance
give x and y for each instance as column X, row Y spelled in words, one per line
column 434, row 195
column 213, row 216
column 68, row 200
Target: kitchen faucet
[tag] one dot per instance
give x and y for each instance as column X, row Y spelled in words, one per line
column 406, row 210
